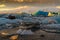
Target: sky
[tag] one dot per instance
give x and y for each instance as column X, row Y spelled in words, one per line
column 13, row 5
column 38, row 1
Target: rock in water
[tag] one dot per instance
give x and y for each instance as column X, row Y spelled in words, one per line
column 11, row 17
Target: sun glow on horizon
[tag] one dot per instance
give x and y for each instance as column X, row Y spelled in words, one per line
column 58, row 7
column 2, row 5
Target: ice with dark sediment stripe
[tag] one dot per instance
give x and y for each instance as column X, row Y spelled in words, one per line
column 51, row 28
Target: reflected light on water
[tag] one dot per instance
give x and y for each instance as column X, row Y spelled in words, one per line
column 14, row 37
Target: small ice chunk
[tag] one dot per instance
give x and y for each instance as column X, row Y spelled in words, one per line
column 19, row 31
column 27, row 32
